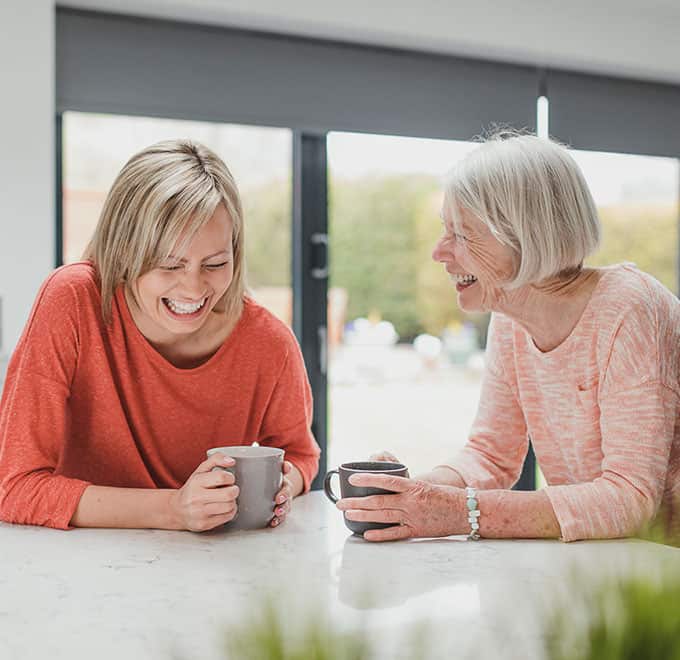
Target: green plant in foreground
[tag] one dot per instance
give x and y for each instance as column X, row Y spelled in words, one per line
column 634, row 619
column 318, row 639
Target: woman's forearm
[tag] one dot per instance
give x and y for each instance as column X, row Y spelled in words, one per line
column 130, row 508
column 516, row 514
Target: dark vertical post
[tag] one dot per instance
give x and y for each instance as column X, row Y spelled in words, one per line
column 527, row 480
column 59, row 196
column 310, row 272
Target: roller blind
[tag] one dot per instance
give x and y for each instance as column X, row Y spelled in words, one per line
column 119, row 64
column 614, row 114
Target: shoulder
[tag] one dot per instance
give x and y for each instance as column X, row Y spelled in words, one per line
column 629, row 297
column 266, row 332
column 69, row 288
column 75, row 280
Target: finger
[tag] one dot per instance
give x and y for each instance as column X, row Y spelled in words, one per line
column 215, row 479
column 217, row 495
column 220, row 508
column 218, row 459
column 282, row 510
column 396, row 533
column 385, row 516
column 216, row 521
column 371, row 502
column 385, row 481
column 284, row 494
column 287, row 467
column 384, row 456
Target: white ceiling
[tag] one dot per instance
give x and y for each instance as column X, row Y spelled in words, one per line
column 632, row 38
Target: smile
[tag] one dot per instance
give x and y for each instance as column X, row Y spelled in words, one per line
column 463, row 281
column 183, row 308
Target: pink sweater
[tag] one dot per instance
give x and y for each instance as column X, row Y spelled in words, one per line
column 602, row 411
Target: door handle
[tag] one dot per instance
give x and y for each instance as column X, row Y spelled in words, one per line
column 320, row 272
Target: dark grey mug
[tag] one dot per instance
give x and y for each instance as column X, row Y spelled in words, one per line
column 345, row 471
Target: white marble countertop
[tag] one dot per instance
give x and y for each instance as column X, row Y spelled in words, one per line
column 137, row 594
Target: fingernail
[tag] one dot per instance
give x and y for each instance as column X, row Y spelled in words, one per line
column 275, row 522
column 280, row 499
column 279, row 512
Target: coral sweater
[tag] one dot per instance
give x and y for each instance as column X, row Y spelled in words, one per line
column 88, row 403
column 602, row 411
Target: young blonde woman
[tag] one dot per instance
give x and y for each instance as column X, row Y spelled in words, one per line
column 138, row 359
column 583, row 361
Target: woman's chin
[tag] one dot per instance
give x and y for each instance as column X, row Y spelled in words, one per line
column 469, row 303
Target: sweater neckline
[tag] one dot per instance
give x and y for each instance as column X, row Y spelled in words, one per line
column 163, row 362
column 576, row 331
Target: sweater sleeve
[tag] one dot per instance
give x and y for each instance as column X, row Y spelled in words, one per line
column 33, row 414
column 637, row 428
column 637, row 403
column 494, row 454
column 288, row 418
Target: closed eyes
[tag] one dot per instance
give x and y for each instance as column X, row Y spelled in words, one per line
column 175, row 267
column 452, row 234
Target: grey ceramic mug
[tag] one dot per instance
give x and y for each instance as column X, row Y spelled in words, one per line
column 258, row 475
column 346, row 470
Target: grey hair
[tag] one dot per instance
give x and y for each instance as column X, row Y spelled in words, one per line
column 533, row 197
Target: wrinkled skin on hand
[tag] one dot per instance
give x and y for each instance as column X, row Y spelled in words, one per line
column 417, row 508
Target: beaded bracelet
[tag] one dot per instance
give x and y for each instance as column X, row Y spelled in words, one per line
column 473, row 513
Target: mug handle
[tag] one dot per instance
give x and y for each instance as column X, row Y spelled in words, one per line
column 327, row 486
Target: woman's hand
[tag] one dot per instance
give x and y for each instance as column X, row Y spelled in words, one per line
column 417, row 508
column 284, row 497
column 208, row 498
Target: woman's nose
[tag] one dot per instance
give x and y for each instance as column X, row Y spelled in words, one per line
column 193, row 281
column 438, row 251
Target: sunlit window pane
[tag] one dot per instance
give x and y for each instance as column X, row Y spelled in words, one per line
column 406, row 362
column 637, row 200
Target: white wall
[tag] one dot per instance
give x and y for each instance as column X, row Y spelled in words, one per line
column 26, row 157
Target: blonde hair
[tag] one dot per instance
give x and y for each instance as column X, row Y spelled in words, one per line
column 160, row 199
column 533, row 197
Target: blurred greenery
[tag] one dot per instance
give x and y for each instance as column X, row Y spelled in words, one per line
column 383, row 229
column 646, row 234
column 629, row 619
column 267, row 212
column 273, row 634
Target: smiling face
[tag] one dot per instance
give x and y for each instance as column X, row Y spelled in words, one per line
column 474, row 259
column 174, row 300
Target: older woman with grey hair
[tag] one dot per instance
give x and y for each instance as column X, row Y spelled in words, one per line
column 584, row 362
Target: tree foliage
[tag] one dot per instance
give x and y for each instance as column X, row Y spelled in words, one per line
column 382, row 231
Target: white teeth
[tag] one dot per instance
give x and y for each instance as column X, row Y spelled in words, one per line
column 182, row 307
column 466, row 279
